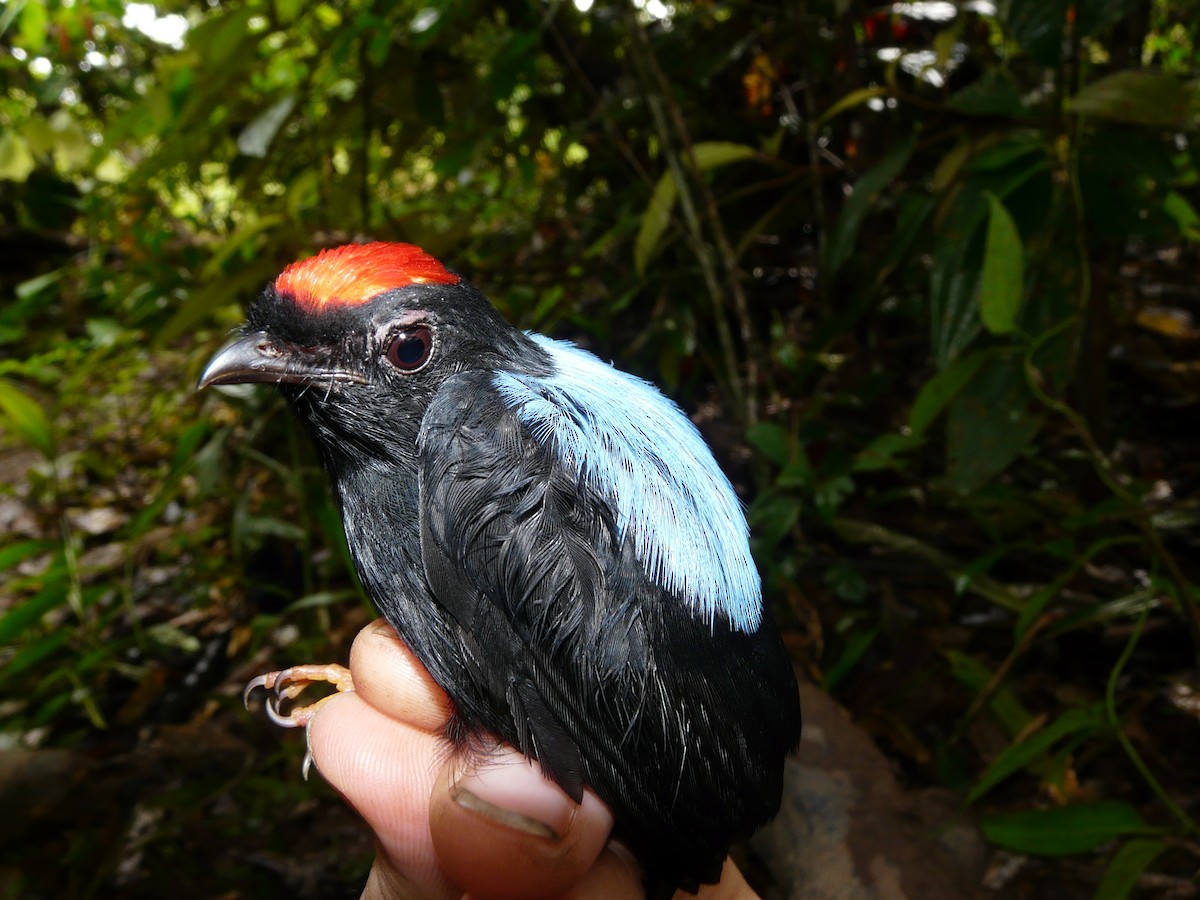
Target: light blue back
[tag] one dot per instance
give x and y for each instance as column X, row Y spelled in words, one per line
column 637, row 449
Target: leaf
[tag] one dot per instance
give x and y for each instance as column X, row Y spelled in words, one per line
column 713, row 154
column 990, row 422
column 708, row 155
column 1139, row 97
column 35, row 26
column 1002, row 280
column 991, row 95
column 1126, row 867
column 16, row 159
column 1038, row 26
column 22, row 616
column 771, row 440
column 866, row 192
column 1064, row 830
column 959, row 248
column 939, row 390
column 1178, row 208
column 1016, row 756
column 22, row 550
column 851, row 100
column 856, row 645
column 22, row 415
column 256, row 137
column 654, row 222
column 72, row 149
column 1003, row 703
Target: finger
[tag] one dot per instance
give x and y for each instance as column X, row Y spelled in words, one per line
column 502, row 830
column 390, row 678
column 386, row 770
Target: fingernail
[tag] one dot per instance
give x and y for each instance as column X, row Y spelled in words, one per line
column 510, row 789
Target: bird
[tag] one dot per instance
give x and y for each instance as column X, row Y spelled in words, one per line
column 552, row 538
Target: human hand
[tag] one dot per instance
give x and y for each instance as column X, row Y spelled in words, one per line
column 448, row 825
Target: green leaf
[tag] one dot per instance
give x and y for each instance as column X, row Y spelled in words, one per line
column 708, row 155
column 1140, row 97
column 990, row 422
column 856, row 645
column 771, row 440
column 72, row 149
column 714, row 154
column 22, row 550
column 1016, row 756
column 1178, row 208
column 1002, row 280
column 35, row 26
column 22, row 616
column 1064, row 830
column 866, row 192
column 851, row 100
column 22, row 415
column 991, row 95
column 16, row 159
column 1126, row 867
column 1005, row 705
column 33, row 653
column 655, row 220
column 939, row 390
column 1038, row 26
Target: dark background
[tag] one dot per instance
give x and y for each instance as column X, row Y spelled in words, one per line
column 924, row 274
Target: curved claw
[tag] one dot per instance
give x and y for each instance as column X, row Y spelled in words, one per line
column 288, row 684
column 273, row 713
column 252, row 685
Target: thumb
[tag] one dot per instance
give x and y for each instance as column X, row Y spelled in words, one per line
column 502, row 830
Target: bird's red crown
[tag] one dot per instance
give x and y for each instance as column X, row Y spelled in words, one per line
column 354, row 273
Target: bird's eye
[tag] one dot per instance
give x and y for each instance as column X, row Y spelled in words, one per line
column 410, row 350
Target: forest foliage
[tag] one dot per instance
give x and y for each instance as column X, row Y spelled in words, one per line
column 923, row 273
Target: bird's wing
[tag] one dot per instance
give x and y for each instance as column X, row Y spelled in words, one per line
column 526, row 560
column 579, row 644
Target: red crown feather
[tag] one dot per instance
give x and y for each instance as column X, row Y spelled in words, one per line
column 354, row 273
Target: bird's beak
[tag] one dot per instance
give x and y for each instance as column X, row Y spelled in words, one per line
column 258, row 358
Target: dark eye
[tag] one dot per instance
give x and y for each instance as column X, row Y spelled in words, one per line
column 409, row 350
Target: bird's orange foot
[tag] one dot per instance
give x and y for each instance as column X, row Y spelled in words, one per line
column 290, row 683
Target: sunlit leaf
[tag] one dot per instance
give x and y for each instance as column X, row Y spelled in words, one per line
column 1063, row 830
column 851, row 100
column 708, row 155
column 1002, row 280
column 16, row 159
column 35, row 25
column 22, row 415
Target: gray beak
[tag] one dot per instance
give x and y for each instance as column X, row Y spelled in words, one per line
column 259, row 359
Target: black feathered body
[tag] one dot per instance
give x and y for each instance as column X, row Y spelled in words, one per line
column 507, row 571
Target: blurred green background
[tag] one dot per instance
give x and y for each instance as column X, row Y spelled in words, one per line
column 925, row 274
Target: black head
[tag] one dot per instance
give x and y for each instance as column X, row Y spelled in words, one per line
column 360, row 337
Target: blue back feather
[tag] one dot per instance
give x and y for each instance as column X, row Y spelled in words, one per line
column 637, row 449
